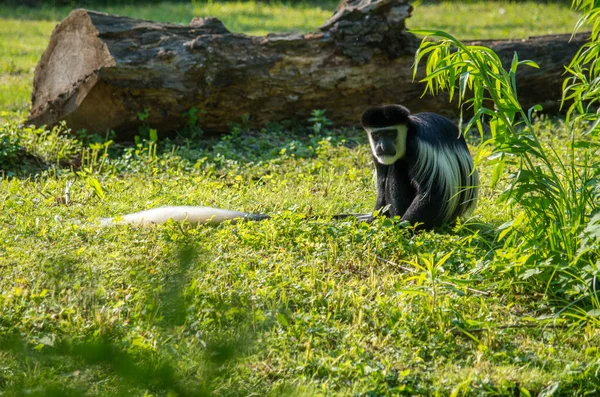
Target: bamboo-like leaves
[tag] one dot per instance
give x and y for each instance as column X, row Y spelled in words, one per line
column 581, row 90
column 553, row 193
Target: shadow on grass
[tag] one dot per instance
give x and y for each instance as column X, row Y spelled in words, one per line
column 25, row 165
column 131, row 369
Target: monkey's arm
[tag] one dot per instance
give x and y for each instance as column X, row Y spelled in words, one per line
column 395, row 190
column 381, row 177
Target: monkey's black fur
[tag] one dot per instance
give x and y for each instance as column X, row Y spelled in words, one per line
column 433, row 181
column 385, row 116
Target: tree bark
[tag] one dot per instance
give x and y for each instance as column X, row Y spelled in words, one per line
column 99, row 71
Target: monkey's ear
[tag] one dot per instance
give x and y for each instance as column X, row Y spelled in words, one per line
column 385, row 116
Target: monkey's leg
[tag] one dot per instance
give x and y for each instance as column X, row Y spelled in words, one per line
column 424, row 211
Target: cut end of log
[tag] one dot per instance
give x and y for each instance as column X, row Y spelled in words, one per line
column 71, row 63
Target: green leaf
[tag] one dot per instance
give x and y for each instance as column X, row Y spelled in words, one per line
column 153, row 135
column 586, row 145
column 498, row 170
column 95, row 185
column 515, row 63
column 443, row 259
column 530, row 63
column 438, row 33
column 283, row 320
column 504, row 230
column 524, row 392
column 464, row 83
column 592, row 127
column 536, row 108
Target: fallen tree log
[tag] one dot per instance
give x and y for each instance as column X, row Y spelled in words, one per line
column 99, row 71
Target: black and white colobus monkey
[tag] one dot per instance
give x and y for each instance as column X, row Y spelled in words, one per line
column 425, row 173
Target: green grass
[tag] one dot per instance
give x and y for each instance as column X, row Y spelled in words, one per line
column 22, row 43
column 289, row 306
column 285, row 305
column 494, row 20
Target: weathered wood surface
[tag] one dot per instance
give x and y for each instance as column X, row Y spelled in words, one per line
column 100, row 70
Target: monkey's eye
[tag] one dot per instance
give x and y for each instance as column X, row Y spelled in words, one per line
column 391, row 134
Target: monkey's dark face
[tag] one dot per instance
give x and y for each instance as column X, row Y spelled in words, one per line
column 388, row 144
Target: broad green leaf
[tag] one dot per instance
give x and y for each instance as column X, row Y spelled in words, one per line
column 95, row 185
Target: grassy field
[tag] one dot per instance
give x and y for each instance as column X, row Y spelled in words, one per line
column 288, row 306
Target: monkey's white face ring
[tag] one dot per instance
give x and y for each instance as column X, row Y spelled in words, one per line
column 400, row 144
column 387, row 160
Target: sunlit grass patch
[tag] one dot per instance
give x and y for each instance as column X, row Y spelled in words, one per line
column 238, row 16
column 494, row 19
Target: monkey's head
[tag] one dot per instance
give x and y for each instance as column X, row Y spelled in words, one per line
column 386, row 128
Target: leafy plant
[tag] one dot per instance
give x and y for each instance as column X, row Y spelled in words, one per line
column 192, row 129
column 319, row 121
column 583, row 84
column 10, row 146
column 556, row 194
